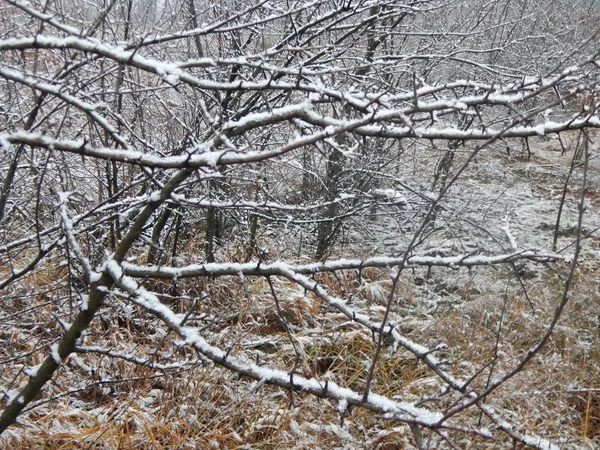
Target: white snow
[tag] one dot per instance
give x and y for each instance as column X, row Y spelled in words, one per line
column 54, row 353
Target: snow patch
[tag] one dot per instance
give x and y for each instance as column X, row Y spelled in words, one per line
column 54, row 353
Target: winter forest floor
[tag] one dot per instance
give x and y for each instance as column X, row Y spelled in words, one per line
column 473, row 316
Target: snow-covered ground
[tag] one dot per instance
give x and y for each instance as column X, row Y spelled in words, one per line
column 501, row 202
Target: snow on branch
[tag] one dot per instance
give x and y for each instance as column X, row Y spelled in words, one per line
column 277, row 268
column 404, row 412
column 63, row 199
column 284, row 379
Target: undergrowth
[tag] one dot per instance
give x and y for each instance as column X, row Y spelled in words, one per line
column 152, row 392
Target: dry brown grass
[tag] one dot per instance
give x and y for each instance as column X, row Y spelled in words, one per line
column 120, row 405
column 206, row 407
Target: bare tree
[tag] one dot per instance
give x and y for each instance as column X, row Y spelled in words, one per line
column 150, row 152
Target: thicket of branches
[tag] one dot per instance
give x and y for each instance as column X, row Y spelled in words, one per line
column 150, row 150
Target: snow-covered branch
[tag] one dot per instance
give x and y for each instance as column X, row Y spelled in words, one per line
column 258, row 268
